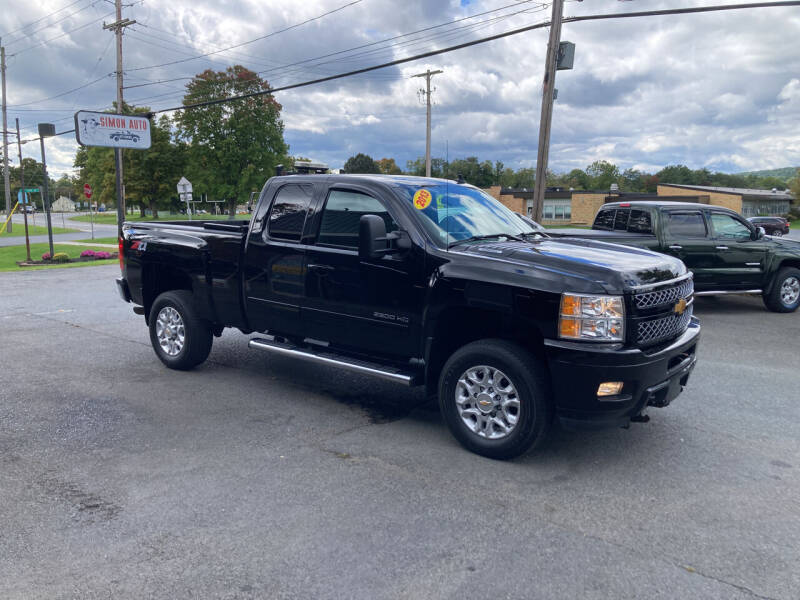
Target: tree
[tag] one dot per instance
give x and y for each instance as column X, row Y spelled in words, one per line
column 388, row 166
column 361, row 163
column 794, row 186
column 679, row 174
column 602, row 174
column 632, row 180
column 233, row 146
column 152, row 174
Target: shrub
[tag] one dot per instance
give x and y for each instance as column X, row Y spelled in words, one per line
column 87, row 253
column 46, row 256
column 61, row 257
column 100, row 255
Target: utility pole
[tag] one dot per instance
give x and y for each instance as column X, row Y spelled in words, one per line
column 427, row 91
column 117, row 27
column 46, row 130
column 24, row 195
column 548, row 87
column 5, row 137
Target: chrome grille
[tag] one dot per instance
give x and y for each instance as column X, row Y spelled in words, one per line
column 665, row 296
column 664, row 328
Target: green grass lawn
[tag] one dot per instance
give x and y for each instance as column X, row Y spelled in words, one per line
column 19, row 230
column 794, row 225
column 110, row 218
column 9, row 256
column 100, row 240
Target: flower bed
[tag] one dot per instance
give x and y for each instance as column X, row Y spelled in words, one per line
column 63, row 257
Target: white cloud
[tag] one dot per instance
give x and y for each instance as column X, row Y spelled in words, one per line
column 717, row 90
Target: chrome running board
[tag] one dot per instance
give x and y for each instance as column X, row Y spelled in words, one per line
column 322, row 357
column 726, row 292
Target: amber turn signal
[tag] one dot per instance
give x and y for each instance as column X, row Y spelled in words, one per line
column 609, row 388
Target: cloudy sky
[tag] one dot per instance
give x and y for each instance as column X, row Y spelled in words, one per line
column 716, row 90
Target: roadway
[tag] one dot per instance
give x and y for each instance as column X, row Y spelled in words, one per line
column 261, row 477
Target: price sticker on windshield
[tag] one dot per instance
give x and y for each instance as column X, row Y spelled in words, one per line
column 422, row 199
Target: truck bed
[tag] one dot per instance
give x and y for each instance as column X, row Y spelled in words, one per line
column 640, row 240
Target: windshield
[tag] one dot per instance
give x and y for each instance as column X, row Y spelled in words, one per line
column 450, row 212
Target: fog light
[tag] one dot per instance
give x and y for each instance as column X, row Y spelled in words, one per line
column 609, row 388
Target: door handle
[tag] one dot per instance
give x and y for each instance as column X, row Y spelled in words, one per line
column 320, row 269
column 676, row 247
column 722, row 247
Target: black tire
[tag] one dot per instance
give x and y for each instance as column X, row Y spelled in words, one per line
column 197, row 338
column 531, row 381
column 774, row 299
column 777, row 233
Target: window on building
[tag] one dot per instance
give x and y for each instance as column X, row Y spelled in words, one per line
column 288, row 214
column 557, row 210
column 686, row 225
column 342, row 214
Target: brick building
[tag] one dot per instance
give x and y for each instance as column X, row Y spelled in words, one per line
column 577, row 207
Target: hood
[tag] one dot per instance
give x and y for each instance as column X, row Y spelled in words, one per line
column 615, row 267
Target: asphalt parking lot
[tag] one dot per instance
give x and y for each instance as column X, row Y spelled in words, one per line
column 260, row 477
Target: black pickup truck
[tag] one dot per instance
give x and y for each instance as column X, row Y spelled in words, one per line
column 425, row 282
column 726, row 253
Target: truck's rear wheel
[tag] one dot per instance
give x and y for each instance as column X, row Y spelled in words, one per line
column 784, row 296
column 495, row 398
column 180, row 338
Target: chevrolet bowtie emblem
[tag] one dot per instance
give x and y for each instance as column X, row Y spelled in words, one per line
column 680, row 306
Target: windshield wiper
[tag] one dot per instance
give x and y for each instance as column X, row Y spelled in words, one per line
column 489, row 236
column 534, row 232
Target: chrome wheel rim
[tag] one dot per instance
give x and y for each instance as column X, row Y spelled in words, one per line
column 487, row 402
column 790, row 290
column 170, row 331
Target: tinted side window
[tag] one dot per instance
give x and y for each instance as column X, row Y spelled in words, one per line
column 289, row 209
column 686, row 225
column 640, row 222
column 621, row 219
column 341, row 216
column 604, row 219
column 726, row 227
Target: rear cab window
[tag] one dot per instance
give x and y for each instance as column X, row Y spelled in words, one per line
column 287, row 216
column 604, row 219
column 640, row 221
column 686, row 225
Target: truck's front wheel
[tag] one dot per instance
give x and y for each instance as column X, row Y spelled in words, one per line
column 180, row 338
column 495, row 398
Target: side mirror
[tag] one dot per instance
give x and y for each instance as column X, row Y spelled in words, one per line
column 759, row 233
column 371, row 237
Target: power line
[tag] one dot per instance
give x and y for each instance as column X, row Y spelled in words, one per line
column 287, row 70
column 44, row 17
column 80, row 87
column 296, row 25
column 475, row 43
column 47, row 41
column 56, row 22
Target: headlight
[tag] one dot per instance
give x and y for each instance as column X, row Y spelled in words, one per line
column 598, row 318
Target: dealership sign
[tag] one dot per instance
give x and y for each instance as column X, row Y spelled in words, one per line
column 112, row 131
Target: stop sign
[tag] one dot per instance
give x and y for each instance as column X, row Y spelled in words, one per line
column 87, row 190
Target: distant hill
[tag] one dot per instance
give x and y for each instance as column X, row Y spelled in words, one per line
column 783, row 173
